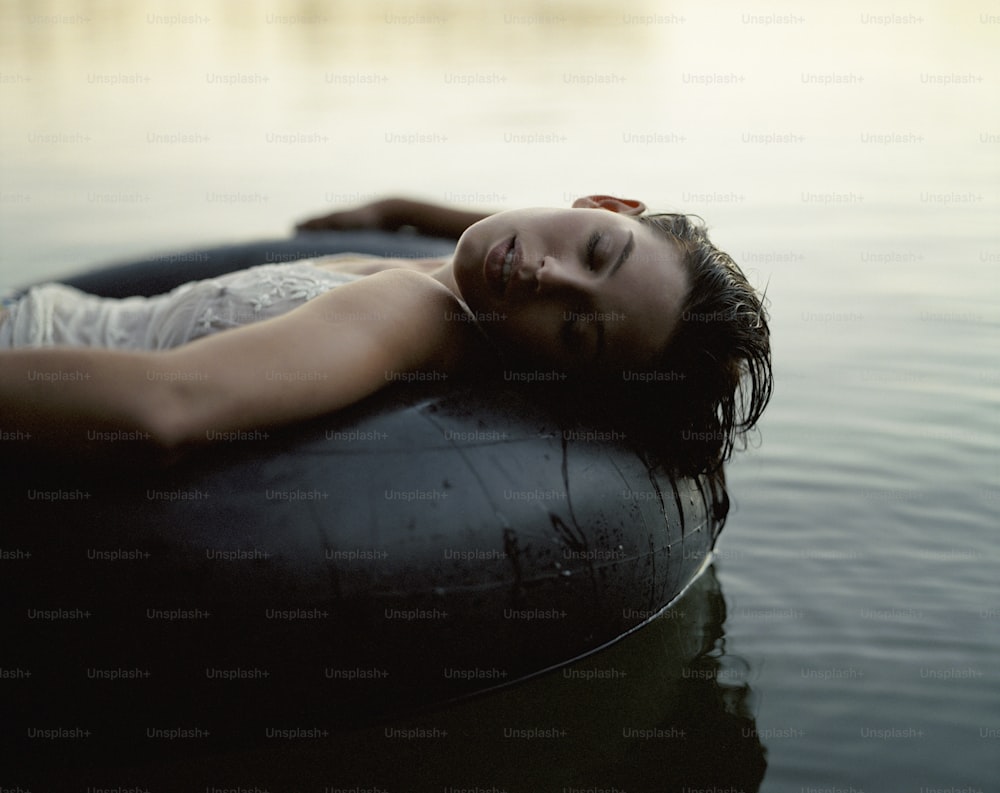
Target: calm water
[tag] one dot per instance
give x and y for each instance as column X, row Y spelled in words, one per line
column 848, row 156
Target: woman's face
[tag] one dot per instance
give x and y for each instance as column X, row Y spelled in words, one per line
column 580, row 290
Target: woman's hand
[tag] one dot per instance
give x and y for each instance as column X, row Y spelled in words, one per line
column 380, row 215
column 390, row 214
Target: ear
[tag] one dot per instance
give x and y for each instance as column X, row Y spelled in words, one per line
column 624, row 206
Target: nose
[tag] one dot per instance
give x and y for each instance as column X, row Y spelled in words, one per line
column 553, row 274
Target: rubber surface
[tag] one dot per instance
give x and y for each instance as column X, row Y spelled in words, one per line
column 433, row 542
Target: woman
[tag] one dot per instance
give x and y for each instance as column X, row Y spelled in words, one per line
column 640, row 311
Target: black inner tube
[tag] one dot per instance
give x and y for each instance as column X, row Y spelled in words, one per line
column 427, row 533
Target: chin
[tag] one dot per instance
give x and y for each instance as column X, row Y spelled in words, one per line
column 467, row 268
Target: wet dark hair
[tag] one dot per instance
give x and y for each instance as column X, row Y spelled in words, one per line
column 713, row 380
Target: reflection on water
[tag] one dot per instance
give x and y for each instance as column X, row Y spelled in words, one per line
column 666, row 709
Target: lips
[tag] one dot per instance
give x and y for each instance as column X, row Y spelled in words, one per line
column 501, row 265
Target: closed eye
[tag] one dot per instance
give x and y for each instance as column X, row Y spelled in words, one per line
column 591, row 255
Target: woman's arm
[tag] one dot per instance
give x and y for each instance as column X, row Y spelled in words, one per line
column 390, row 214
column 64, row 400
column 325, row 355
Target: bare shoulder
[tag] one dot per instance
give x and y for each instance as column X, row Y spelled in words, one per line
column 405, row 310
column 396, row 287
column 364, row 264
column 351, row 341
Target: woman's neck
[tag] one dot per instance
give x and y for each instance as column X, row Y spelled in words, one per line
column 444, row 273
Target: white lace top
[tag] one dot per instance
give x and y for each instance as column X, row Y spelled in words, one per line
column 56, row 314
